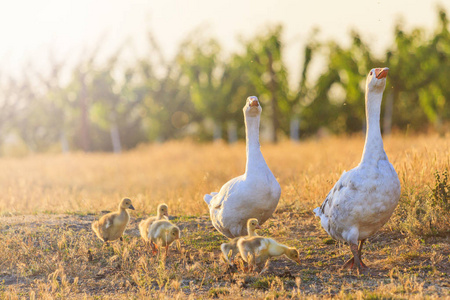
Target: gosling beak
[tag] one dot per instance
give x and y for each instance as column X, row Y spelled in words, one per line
column 258, row 226
column 381, row 72
column 253, row 101
column 131, row 207
column 166, row 214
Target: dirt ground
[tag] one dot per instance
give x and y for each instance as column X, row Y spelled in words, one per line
column 48, row 256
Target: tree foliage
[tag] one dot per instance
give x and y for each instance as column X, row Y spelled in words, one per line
column 200, row 92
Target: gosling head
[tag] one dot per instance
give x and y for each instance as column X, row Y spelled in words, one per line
column 253, row 224
column 174, row 233
column 126, row 204
column 292, row 254
column 163, row 210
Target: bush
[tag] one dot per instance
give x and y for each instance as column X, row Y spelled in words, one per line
column 426, row 213
column 441, row 192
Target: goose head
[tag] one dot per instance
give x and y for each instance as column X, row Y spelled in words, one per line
column 252, row 107
column 163, row 210
column 126, row 204
column 376, row 80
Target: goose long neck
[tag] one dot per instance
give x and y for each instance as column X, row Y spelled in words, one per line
column 373, row 148
column 253, row 151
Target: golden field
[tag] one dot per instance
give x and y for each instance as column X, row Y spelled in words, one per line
column 180, row 173
column 48, row 201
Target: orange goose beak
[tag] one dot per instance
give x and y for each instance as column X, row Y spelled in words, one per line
column 253, row 101
column 381, row 72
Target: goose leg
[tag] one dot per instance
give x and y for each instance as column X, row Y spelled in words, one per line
column 265, row 267
column 350, row 264
column 251, row 263
column 363, row 265
column 357, row 261
column 154, row 247
column 230, row 257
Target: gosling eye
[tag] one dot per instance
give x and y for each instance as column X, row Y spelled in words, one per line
column 370, row 73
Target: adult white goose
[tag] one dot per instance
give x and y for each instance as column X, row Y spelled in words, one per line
column 254, row 194
column 363, row 199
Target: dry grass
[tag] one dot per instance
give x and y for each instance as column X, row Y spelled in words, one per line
column 47, row 249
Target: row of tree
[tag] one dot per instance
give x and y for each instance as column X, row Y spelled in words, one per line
column 201, row 91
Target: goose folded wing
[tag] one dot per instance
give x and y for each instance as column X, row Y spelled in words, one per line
column 346, row 185
column 227, row 190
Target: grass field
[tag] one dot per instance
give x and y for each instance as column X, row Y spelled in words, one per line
column 47, row 249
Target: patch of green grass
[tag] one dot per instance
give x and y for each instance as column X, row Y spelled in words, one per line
column 45, row 212
column 410, row 255
column 368, row 295
column 263, row 282
column 204, row 240
column 308, row 275
column 78, row 213
column 278, row 294
column 329, row 241
column 215, row 292
column 421, row 268
column 184, row 218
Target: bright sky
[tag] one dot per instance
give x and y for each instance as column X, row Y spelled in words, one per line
column 31, row 31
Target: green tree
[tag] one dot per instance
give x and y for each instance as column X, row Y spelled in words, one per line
column 268, row 75
column 217, row 88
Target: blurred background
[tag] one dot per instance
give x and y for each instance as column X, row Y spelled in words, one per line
column 110, row 75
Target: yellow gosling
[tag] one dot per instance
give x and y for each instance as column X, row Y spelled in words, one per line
column 231, row 246
column 144, row 225
column 111, row 226
column 163, row 233
column 257, row 250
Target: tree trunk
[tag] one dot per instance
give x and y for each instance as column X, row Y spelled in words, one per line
column 115, row 138
column 85, row 140
column 64, row 143
column 217, row 133
column 273, row 101
column 232, row 132
column 295, row 129
column 388, row 109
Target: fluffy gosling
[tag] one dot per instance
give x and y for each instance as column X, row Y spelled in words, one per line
column 111, row 226
column 257, row 250
column 163, row 233
column 144, row 225
column 230, row 249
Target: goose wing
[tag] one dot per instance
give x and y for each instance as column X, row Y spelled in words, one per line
column 228, row 190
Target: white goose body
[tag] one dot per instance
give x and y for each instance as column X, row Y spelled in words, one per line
column 255, row 194
column 361, row 202
column 364, row 198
